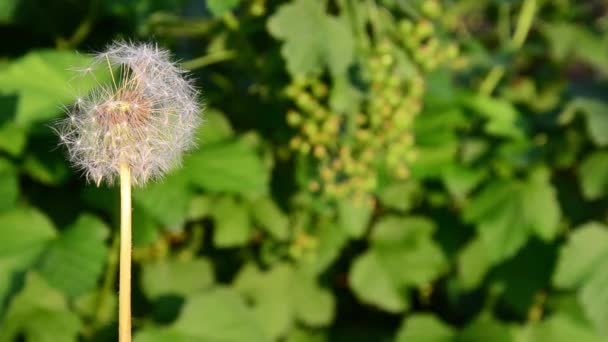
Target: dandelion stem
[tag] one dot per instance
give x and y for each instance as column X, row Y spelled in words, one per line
column 124, row 309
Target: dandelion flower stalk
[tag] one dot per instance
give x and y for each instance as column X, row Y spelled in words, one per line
column 124, row 291
column 134, row 129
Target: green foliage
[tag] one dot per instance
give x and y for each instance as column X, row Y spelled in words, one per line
column 368, row 171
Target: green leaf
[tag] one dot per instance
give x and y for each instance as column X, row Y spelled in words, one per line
column 313, row 305
column 176, row 277
column 593, row 297
column 402, row 196
column 267, row 214
column 284, row 294
column 502, row 116
column 596, row 115
column 74, row 262
column 25, row 233
column 580, row 257
column 330, row 242
column 218, row 315
column 402, row 254
column 571, row 40
column 406, row 243
column 39, row 101
column 541, row 208
column 270, row 294
column 354, row 216
column 7, row 10
column 560, row 328
column 220, row 7
column 593, row 175
column 231, row 167
column 232, row 225
column 40, row 313
column 216, row 128
column 9, row 185
column 372, row 284
column 167, row 200
column 461, row 180
column 424, row 328
column 312, row 38
column 507, row 214
column 154, row 334
column 486, row 329
column 12, row 138
column 473, row 264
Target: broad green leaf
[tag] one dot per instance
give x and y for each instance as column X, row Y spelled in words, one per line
column 521, row 278
column 39, row 101
column 372, row 284
column 306, row 335
column 330, row 242
column 402, row 196
column 219, row 7
column 312, row 38
column 541, row 208
column 424, row 328
column 354, row 216
column 596, row 115
column 270, row 294
column 145, row 227
column 231, row 167
column 502, row 116
column 9, row 186
column 581, row 256
column 74, row 261
column 216, row 128
column 270, row 217
column 560, row 328
column 166, row 200
column 313, row 305
column 7, row 10
column 232, row 225
column 593, row 297
column 406, row 243
column 154, row 334
column 12, row 138
column 486, row 329
column 571, row 40
column 25, row 233
column 284, row 294
column 508, row 213
column 218, row 315
column 593, row 175
column 403, row 254
column 460, row 180
column 432, row 160
column 176, row 277
column 40, row 313
column 473, row 264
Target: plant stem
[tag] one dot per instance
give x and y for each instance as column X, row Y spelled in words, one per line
column 124, row 294
column 524, row 23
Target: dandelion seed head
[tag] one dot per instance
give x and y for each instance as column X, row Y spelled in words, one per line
column 146, row 116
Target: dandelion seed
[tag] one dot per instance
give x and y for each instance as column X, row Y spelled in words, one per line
column 147, row 106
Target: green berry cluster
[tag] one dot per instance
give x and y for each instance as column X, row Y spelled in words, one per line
column 353, row 150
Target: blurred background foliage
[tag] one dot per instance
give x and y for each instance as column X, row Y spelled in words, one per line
column 369, row 170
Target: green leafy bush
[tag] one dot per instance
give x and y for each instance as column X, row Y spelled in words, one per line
column 368, row 170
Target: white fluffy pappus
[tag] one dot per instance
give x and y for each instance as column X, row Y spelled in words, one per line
column 146, row 116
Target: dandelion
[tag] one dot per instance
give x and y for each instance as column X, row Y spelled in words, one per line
column 134, row 128
column 145, row 117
